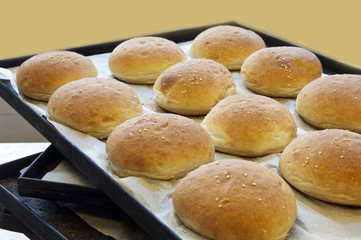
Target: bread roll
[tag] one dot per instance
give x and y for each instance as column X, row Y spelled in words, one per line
column 228, row 45
column 39, row 76
column 332, row 101
column 250, row 125
column 280, row 71
column 141, row 60
column 94, row 105
column 326, row 165
column 193, row 87
column 160, row 146
column 235, row 200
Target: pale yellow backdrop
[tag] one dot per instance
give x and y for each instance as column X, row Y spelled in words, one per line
column 28, row 27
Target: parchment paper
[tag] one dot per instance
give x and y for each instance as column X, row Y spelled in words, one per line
column 315, row 219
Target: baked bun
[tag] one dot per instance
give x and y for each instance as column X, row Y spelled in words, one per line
column 94, row 105
column 39, row 76
column 141, row 60
column 160, row 146
column 228, row 45
column 193, row 87
column 280, row 71
column 326, row 165
column 332, row 101
column 250, row 125
column 235, row 200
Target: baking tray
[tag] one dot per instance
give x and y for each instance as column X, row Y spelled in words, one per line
column 122, row 198
column 18, row 216
column 31, row 182
column 13, row 167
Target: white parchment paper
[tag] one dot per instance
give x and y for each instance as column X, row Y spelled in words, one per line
column 315, row 219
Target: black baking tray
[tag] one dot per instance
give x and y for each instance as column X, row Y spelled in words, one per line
column 132, row 207
column 17, row 215
column 31, row 184
column 13, row 167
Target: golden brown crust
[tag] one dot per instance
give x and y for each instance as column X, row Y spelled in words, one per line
column 94, row 105
column 228, row 45
column 250, row 125
column 332, row 101
column 141, row 60
column 39, row 76
column 280, row 71
column 193, row 87
column 160, row 146
column 235, row 199
column 325, row 164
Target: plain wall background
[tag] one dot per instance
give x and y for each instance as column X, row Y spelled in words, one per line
column 30, row 27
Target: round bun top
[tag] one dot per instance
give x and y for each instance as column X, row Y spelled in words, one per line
column 160, row 146
column 325, row 164
column 39, row 76
column 250, row 125
column 228, row 45
column 280, row 71
column 235, row 200
column 94, row 105
column 332, row 101
column 193, row 87
column 141, row 60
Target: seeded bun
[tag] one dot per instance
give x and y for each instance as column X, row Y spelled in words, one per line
column 332, row 101
column 326, row 165
column 250, row 125
column 235, row 200
column 141, row 60
column 160, row 146
column 39, row 76
column 228, row 45
column 280, row 71
column 193, row 87
column 94, row 105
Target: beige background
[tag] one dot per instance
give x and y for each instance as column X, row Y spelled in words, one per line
column 29, row 27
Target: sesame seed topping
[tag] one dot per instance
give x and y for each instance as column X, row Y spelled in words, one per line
column 316, row 166
column 216, row 177
column 245, row 174
column 341, row 156
column 217, row 181
column 227, row 176
column 217, row 199
column 225, row 173
column 243, row 185
column 220, row 205
column 319, row 152
column 131, row 134
column 259, row 199
column 163, row 138
column 254, row 184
